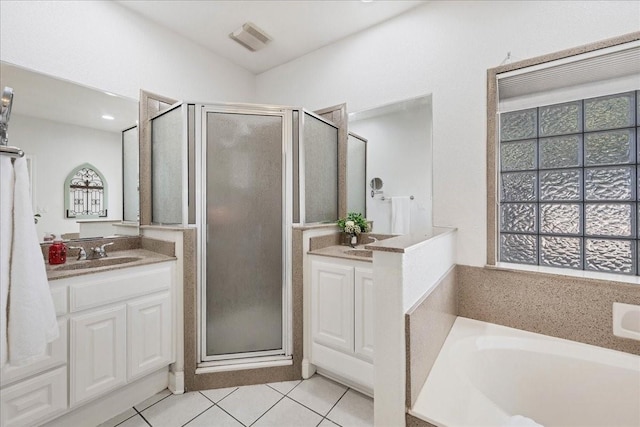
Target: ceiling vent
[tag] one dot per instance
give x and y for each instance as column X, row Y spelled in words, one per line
column 251, row 37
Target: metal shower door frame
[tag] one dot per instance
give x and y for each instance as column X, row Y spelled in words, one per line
column 259, row 358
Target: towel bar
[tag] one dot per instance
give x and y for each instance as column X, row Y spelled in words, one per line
column 383, row 198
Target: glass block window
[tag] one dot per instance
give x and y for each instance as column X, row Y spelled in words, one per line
column 85, row 193
column 570, row 185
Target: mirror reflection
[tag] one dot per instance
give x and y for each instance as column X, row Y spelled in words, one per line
column 62, row 126
column 399, row 154
column 376, row 183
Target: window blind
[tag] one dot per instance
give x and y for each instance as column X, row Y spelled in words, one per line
column 593, row 74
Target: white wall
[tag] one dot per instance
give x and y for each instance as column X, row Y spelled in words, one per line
column 104, row 45
column 399, row 152
column 57, row 149
column 445, row 48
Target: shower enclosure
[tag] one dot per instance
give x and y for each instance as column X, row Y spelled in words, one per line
column 243, row 175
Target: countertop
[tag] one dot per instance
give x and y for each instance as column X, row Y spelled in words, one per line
column 341, row 251
column 145, row 257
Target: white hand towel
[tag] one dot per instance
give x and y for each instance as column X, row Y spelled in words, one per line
column 520, row 421
column 400, row 215
column 32, row 317
column 6, row 231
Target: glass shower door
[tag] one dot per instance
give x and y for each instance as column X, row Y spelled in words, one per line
column 244, row 235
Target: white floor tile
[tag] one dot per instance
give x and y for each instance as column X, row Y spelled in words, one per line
column 218, row 394
column 288, row 413
column 318, row 393
column 177, row 409
column 284, row 387
column 214, row 417
column 248, row 403
column 353, row 410
column 153, row 399
column 119, row 418
column 327, row 423
column 135, row 421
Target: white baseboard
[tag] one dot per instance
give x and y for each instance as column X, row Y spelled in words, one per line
column 108, row 406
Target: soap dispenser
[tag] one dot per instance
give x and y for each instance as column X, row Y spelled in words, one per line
column 57, row 251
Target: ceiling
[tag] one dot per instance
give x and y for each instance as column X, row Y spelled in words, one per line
column 45, row 97
column 296, row 27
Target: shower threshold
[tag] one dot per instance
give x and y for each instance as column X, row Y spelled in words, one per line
column 245, row 363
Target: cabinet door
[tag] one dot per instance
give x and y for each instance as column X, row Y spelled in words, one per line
column 332, row 305
column 149, row 334
column 98, row 353
column 364, row 313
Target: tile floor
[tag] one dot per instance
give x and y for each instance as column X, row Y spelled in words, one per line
column 316, row 402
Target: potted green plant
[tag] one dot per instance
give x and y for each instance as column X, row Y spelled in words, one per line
column 352, row 225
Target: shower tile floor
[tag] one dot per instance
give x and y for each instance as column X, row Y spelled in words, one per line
column 317, row 401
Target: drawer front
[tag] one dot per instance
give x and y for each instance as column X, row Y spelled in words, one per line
column 120, row 285
column 59, row 296
column 33, row 400
column 56, row 355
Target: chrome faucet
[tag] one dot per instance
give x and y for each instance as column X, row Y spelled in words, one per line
column 373, row 238
column 82, row 255
column 99, row 251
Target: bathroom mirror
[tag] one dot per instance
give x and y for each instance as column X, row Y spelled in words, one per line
column 376, row 184
column 399, row 148
column 60, row 125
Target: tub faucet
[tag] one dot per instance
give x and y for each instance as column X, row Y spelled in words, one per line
column 100, row 251
column 82, row 255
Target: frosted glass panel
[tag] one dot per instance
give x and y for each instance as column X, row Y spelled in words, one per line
column 518, row 125
column 609, row 112
column 561, row 152
column 609, row 148
column 244, row 233
column 561, row 119
column 561, row 251
column 321, row 170
column 356, row 174
column 615, row 256
column 560, row 185
column 130, row 156
column 519, row 155
column 519, row 217
column 603, row 219
column 519, row 248
column 167, row 146
column 561, row 218
column 609, row 183
column 519, row 186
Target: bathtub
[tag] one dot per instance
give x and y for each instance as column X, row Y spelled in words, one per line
column 487, row 375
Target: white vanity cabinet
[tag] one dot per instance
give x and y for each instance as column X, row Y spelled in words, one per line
column 115, row 327
column 120, row 328
column 342, row 319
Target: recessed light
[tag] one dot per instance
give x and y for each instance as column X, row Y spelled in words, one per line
column 110, row 94
column 107, row 117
